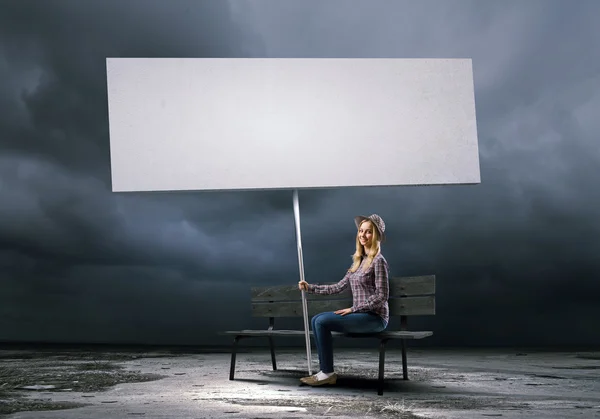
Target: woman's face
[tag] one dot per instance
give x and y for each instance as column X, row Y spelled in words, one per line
column 365, row 234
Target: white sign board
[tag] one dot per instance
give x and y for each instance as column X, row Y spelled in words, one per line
column 254, row 123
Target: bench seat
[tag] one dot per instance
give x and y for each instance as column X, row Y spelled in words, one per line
column 396, row 334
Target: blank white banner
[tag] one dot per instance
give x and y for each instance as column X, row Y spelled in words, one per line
column 254, row 123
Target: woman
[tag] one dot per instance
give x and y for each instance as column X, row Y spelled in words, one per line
column 368, row 281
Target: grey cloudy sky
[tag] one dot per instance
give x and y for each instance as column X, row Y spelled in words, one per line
column 516, row 257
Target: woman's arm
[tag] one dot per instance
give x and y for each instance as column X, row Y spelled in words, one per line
column 332, row 288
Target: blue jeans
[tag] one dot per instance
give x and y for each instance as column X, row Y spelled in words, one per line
column 325, row 323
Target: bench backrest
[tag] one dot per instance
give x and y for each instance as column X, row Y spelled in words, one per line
column 409, row 296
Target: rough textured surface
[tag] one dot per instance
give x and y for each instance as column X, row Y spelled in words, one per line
column 29, row 379
column 443, row 384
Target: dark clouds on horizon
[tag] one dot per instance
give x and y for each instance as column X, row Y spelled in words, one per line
column 516, row 257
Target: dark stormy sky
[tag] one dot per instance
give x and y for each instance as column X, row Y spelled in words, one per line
column 516, row 257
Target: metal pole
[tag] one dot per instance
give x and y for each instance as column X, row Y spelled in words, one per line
column 301, row 265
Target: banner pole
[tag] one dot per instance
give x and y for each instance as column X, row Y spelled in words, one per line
column 301, row 265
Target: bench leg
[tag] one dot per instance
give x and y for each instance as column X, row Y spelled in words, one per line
column 381, row 366
column 272, row 345
column 404, row 366
column 233, row 352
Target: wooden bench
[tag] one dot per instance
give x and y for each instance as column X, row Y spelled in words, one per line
column 409, row 296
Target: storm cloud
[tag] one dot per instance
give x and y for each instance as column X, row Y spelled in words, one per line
column 515, row 256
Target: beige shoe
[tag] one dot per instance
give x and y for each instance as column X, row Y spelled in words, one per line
column 312, row 380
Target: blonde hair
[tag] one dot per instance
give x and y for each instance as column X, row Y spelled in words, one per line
column 374, row 250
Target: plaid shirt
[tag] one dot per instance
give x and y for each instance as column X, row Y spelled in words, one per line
column 370, row 289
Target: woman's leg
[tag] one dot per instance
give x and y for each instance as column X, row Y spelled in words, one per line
column 323, row 340
column 361, row 323
column 325, row 323
column 316, row 336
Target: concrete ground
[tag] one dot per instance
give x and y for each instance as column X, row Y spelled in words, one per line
column 442, row 384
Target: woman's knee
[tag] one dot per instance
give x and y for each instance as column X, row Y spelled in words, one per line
column 319, row 320
column 314, row 321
